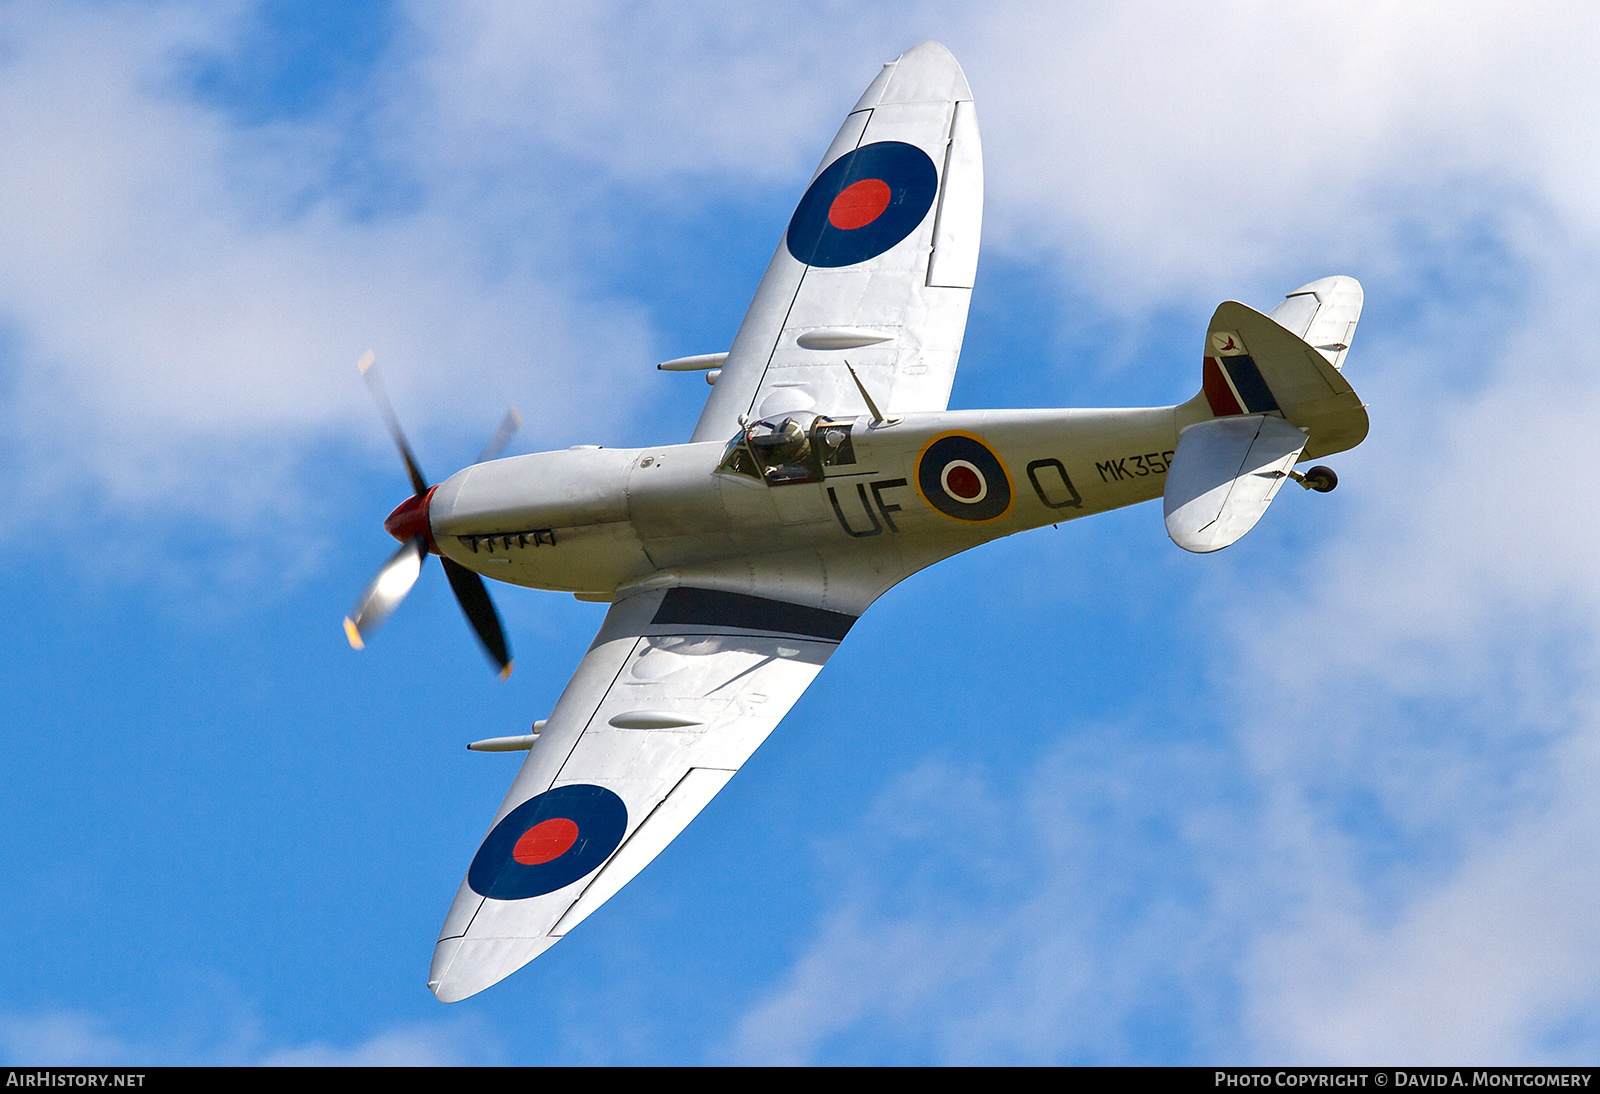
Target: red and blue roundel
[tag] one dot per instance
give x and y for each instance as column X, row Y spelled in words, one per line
column 548, row 842
column 864, row 203
column 961, row 477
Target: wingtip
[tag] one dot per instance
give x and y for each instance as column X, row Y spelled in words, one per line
column 925, row 71
column 505, row 672
column 353, row 634
column 463, row 967
column 366, row 362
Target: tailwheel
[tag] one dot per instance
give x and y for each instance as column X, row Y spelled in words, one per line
column 1319, row 478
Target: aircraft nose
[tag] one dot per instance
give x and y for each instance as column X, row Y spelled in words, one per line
column 410, row 519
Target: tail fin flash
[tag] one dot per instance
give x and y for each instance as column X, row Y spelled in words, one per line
column 1255, row 364
column 1275, row 395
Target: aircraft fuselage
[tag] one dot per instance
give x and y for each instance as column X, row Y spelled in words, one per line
column 921, row 487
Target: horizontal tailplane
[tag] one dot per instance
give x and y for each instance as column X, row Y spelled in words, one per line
column 1223, row 476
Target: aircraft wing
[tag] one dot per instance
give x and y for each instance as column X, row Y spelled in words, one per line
column 876, row 266
column 678, row 689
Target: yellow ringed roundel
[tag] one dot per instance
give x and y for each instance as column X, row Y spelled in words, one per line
column 959, row 475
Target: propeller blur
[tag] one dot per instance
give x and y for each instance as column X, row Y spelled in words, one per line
column 409, row 524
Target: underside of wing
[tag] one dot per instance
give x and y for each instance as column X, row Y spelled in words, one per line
column 678, row 689
column 876, row 266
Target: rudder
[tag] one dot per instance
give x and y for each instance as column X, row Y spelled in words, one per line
column 1275, row 395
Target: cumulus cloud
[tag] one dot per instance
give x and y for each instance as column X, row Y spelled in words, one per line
column 184, row 293
column 1175, row 149
column 1402, row 863
column 419, row 1044
column 1046, row 916
column 1399, row 859
column 185, row 287
column 1378, row 840
column 1431, row 780
column 645, row 94
column 82, row 1039
column 65, row 1038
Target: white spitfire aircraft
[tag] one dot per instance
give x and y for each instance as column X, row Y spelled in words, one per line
column 824, row 470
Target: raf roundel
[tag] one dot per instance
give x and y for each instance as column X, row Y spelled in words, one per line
column 548, row 842
column 960, row 476
column 866, row 201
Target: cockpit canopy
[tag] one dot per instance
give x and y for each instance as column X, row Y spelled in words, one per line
column 791, row 448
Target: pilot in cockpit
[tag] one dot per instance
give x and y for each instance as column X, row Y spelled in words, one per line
column 784, row 453
column 793, row 449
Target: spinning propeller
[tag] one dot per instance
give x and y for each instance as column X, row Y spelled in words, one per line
column 409, row 524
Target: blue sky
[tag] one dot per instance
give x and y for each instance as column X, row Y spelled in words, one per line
column 1072, row 797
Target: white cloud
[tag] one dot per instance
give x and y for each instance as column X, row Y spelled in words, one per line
column 1442, row 717
column 80, row 1039
column 1405, row 867
column 182, row 293
column 420, row 1044
column 1032, row 917
column 65, row 1039
column 1390, row 849
column 1173, row 148
column 183, row 297
column 644, row 94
